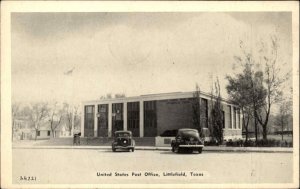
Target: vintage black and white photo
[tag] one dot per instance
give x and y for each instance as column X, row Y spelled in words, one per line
column 116, row 97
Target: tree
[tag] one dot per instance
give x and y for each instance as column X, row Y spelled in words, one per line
column 247, row 91
column 265, row 79
column 272, row 82
column 196, row 110
column 55, row 117
column 120, row 95
column 285, row 112
column 239, row 91
column 71, row 116
column 216, row 115
column 38, row 112
column 107, row 96
column 15, row 110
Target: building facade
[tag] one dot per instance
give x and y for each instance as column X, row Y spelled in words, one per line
column 152, row 115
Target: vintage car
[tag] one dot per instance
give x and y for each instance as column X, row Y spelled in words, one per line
column 187, row 140
column 123, row 140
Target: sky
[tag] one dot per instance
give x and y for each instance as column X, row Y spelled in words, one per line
column 82, row 56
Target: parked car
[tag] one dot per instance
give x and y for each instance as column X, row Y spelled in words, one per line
column 187, row 140
column 123, row 140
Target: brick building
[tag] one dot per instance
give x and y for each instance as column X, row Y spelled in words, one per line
column 151, row 115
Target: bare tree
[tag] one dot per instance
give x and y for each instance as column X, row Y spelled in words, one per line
column 55, row 117
column 285, row 112
column 15, row 110
column 107, row 96
column 71, row 116
column 120, row 95
column 38, row 112
column 272, row 82
column 196, row 110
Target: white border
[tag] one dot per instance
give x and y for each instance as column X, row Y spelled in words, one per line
column 147, row 6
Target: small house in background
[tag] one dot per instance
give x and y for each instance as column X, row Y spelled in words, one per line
column 43, row 133
column 22, row 129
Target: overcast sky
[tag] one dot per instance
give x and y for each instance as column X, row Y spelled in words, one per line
column 133, row 53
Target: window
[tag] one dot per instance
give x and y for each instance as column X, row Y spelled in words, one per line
column 48, row 133
column 234, row 117
column 223, row 119
column 150, row 114
column 238, row 118
column 230, row 117
column 38, row 133
column 89, row 111
column 133, row 115
column 103, row 116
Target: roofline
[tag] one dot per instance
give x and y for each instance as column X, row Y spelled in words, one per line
column 158, row 96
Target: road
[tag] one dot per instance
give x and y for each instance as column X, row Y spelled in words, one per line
column 81, row 166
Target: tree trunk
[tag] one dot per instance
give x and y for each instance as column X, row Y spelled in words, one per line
column 264, row 132
column 255, row 126
column 282, row 130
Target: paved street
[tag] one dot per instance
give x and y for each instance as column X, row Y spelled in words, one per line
column 80, row 166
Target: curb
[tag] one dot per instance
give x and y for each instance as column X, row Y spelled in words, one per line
column 209, row 149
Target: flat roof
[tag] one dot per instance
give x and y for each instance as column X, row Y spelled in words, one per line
column 158, row 96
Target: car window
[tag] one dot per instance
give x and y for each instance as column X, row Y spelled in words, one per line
column 188, row 132
column 122, row 135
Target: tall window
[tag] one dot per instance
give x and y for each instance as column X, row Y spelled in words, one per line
column 234, row 117
column 238, row 118
column 230, row 117
column 89, row 117
column 133, row 115
column 150, row 119
column 150, row 114
column 103, row 116
column 89, row 111
column 48, row 133
column 38, row 133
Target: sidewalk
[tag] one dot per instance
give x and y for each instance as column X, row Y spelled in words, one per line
column 206, row 148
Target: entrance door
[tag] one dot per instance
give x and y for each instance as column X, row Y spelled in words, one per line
column 117, row 117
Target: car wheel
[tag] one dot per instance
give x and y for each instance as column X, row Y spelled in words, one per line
column 190, row 151
column 200, row 150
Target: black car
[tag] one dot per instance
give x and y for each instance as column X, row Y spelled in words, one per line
column 123, row 140
column 187, row 140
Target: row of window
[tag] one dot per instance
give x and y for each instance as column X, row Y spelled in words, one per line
column 236, row 118
column 150, row 114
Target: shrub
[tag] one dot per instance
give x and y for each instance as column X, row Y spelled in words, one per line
column 211, row 143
